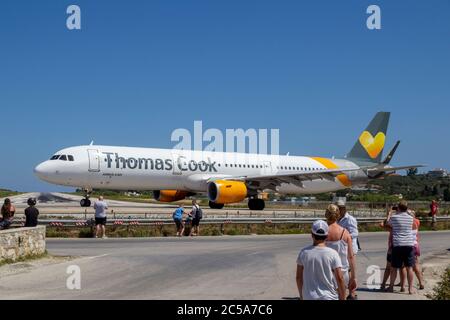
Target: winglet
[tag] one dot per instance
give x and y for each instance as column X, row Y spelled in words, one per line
column 389, row 157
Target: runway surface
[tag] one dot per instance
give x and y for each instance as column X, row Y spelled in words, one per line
column 240, row 267
column 66, row 205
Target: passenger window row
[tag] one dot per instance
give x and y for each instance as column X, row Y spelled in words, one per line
column 63, row 157
column 253, row 166
column 278, row 167
column 299, row 168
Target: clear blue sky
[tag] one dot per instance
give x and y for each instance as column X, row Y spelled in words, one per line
column 139, row 69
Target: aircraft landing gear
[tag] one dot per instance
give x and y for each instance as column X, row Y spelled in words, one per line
column 86, row 203
column 214, row 205
column 256, row 204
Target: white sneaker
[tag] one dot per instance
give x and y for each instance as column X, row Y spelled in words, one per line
column 104, row 237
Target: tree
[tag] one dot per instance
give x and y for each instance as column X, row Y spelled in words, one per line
column 435, row 191
column 412, row 172
column 447, row 194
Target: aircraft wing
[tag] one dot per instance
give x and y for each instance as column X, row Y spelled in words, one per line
column 262, row 182
column 393, row 169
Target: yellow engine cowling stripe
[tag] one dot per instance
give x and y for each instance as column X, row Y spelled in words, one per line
column 327, row 163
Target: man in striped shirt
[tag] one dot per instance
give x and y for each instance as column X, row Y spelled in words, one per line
column 401, row 225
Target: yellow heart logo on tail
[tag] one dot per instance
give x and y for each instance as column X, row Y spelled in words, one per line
column 373, row 145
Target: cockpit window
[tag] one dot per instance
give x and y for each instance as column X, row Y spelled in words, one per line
column 71, row 158
column 63, row 158
column 55, row 157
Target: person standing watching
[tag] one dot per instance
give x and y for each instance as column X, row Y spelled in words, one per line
column 350, row 223
column 178, row 219
column 8, row 210
column 101, row 208
column 197, row 215
column 417, row 268
column 319, row 274
column 401, row 225
column 434, row 209
column 31, row 214
column 340, row 240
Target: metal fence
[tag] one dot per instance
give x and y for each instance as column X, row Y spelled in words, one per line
column 210, row 221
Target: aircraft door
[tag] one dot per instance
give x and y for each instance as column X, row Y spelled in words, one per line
column 267, row 168
column 94, row 160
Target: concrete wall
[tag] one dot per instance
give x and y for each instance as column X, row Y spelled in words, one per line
column 22, row 242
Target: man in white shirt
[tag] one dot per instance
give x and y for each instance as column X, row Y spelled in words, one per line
column 350, row 223
column 319, row 274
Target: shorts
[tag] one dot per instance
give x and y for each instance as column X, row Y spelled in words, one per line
column 403, row 256
column 178, row 223
column 195, row 222
column 100, row 221
column 389, row 258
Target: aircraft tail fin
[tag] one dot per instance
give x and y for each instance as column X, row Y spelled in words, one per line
column 369, row 147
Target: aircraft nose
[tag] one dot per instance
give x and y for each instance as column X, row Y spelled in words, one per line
column 42, row 170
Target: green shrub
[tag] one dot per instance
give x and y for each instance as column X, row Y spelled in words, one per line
column 442, row 291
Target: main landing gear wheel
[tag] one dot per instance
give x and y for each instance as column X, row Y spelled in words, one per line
column 85, row 203
column 214, row 205
column 256, row 204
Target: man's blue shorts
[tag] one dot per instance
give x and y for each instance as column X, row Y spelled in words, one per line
column 403, row 257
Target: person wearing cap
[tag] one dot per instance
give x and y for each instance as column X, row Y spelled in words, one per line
column 340, row 240
column 31, row 214
column 319, row 268
column 350, row 223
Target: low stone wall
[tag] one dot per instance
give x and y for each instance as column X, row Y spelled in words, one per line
column 22, row 243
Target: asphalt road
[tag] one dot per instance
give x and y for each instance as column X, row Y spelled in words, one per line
column 240, row 267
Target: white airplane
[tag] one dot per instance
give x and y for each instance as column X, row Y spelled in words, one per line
column 226, row 178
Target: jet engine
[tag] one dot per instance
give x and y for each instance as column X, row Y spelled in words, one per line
column 224, row 192
column 170, row 195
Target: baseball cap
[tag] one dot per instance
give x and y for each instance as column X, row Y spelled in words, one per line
column 320, row 228
column 340, row 203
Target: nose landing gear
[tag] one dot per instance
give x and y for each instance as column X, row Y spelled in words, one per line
column 86, row 203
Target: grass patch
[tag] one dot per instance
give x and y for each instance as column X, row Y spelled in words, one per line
column 207, row 230
column 442, row 291
column 7, row 193
column 25, row 258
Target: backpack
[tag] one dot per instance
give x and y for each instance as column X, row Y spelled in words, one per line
column 198, row 213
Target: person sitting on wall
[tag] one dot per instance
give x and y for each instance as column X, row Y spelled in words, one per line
column 8, row 210
column 31, row 214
